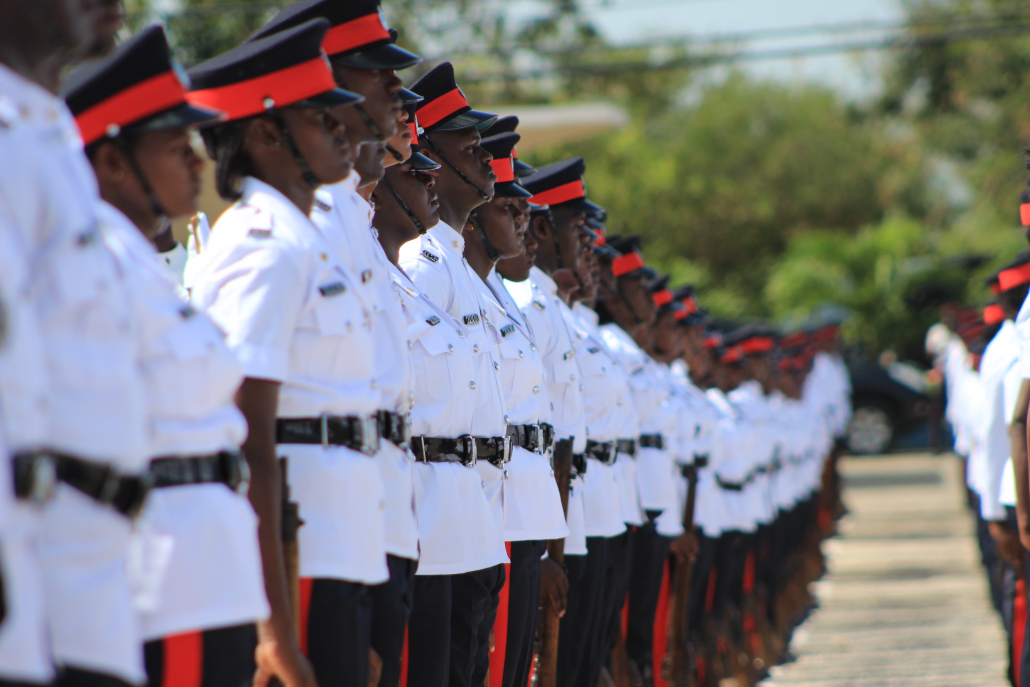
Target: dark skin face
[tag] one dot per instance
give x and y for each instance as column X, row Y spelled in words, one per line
column 588, row 269
column 760, row 368
column 697, row 357
column 321, row 141
column 401, row 141
column 500, row 219
column 666, row 337
column 108, row 20
column 463, row 149
column 371, row 164
column 566, row 229
column 39, row 37
column 517, row 268
column 634, row 311
column 171, row 167
column 393, row 224
column 382, row 102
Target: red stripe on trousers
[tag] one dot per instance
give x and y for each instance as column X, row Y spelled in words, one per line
column 404, row 660
column 1018, row 627
column 749, row 572
column 501, row 628
column 183, row 660
column 661, row 629
column 710, row 592
column 305, row 610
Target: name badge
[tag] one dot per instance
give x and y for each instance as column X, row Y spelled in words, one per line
column 333, row 289
column 569, row 355
column 430, row 257
column 260, row 233
column 470, row 320
column 507, row 329
column 540, row 305
column 593, row 350
column 433, row 321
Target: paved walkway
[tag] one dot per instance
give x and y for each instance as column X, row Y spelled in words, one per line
column 905, row 602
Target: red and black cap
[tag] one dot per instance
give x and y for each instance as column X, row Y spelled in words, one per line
column 417, row 160
column 692, row 312
column 1015, row 274
column 502, row 147
column 753, row 339
column 1024, row 207
column 358, row 36
column 559, row 185
column 507, row 125
column 663, row 298
column 445, row 107
column 140, row 88
column 287, row 69
column 630, row 262
column 993, row 314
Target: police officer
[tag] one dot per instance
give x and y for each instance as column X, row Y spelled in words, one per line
column 211, row 593
column 299, row 325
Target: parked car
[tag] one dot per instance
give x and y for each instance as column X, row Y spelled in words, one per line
column 887, row 402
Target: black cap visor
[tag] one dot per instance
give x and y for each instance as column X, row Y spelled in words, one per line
column 336, row 97
column 385, row 56
column 422, row 163
column 409, row 97
column 179, row 116
column 522, row 169
column 606, row 252
column 509, row 189
column 466, row 120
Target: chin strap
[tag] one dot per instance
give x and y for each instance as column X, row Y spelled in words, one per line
column 393, row 151
column 461, row 175
column 155, row 205
column 404, row 206
column 302, row 164
column 625, row 301
column 559, row 262
column 490, row 250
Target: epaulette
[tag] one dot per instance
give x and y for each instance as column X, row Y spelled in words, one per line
column 430, row 257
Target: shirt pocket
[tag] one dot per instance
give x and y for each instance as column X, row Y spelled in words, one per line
column 565, row 372
column 338, row 310
column 516, row 377
column 85, row 269
column 434, row 368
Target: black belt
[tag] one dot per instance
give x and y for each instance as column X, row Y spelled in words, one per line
column 395, row 427
column 227, row 467
column 627, row 446
column 357, row 432
column 467, row 450
column 652, row 441
column 535, row 438
column 606, row 451
column 104, row 483
column 730, row 486
column 579, row 464
column 35, row 475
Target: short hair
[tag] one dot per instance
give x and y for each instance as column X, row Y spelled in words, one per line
column 224, row 145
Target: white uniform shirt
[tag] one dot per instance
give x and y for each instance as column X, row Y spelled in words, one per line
column 96, row 404
column 532, row 504
column 345, row 219
column 174, row 262
column 457, row 530
column 293, row 314
column 609, row 410
column 213, row 576
column 436, row 265
column 1001, row 355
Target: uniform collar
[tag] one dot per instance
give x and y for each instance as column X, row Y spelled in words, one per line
column 587, row 314
column 544, row 281
column 448, row 238
column 257, row 194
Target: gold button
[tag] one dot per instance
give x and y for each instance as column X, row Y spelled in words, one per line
column 450, row 347
column 472, row 385
column 536, row 390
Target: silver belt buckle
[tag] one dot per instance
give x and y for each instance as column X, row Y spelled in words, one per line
column 369, row 434
column 471, row 450
column 325, row 430
column 507, row 448
column 44, row 478
column 109, row 489
column 405, row 428
column 613, row 453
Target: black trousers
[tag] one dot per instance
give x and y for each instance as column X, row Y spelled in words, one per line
column 449, row 629
column 73, row 677
column 707, row 550
column 391, row 608
column 650, row 551
column 581, row 625
column 223, row 656
column 523, row 610
column 339, row 621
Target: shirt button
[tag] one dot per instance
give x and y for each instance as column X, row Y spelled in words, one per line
column 619, row 402
column 472, row 385
column 374, row 384
column 461, row 335
column 536, row 390
column 507, row 420
column 323, row 256
column 521, row 354
column 532, row 347
column 450, row 347
column 475, row 349
column 409, row 345
column 552, row 473
column 572, row 378
column 455, row 244
column 496, row 365
column 505, row 474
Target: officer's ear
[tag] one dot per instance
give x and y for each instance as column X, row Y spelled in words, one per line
column 264, row 134
column 540, row 227
column 109, row 163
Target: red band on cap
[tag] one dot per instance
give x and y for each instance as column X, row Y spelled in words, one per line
column 995, row 288
column 284, row 87
column 354, row 34
column 662, row 297
column 437, row 110
column 691, row 304
column 560, row 194
column 794, row 340
column 993, row 314
column 1024, row 214
column 826, row 333
column 680, row 314
column 713, row 341
column 733, row 354
column 131, row 105
column 601, row 240
column 624, row 264
column 1017, row 276
column 758, row 344
column 504, row 168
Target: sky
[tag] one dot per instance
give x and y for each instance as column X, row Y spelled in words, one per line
column 854, row 74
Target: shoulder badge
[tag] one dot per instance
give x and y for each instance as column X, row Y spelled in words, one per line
column 507, row 330
column 333, row 289
column 430, row 257
column 260, row 233
column 470, row 320
column 593, row 350
column 569, row 355
column 322, row 205
column 540, row 305
column 433, row 320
